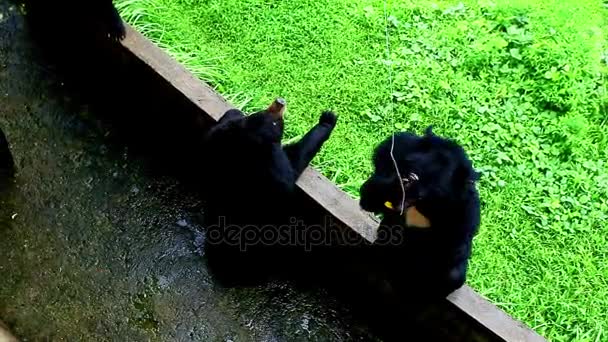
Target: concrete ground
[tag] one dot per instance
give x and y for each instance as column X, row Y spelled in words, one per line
column 94, row 245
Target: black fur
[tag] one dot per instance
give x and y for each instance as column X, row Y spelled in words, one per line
column 75, row 18
column 423, row 264
column 7, row 165
column 250, row 183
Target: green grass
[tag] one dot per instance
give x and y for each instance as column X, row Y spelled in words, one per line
column 520, row 84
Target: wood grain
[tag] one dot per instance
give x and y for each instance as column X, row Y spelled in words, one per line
column 490, row 316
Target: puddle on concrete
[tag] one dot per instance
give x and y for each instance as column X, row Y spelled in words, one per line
column 95, row 246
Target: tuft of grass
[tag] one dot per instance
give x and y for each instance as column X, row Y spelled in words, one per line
column 521, row 84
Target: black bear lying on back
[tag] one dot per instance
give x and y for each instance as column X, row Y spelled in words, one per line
column 431, row 211
column 75, row 18
column 250, row 180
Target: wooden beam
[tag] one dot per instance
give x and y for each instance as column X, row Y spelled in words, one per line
column 491, row 317
column 338, row 203
column 181, row 79
column 320, row 189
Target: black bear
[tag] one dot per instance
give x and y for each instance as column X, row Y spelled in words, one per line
column 7, row 165
column 250, row 180
column 424, row 187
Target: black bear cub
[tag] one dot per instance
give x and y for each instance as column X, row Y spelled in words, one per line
column 424, row 187
column 250, row 180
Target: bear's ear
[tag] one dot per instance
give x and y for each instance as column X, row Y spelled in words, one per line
column 475, row 176
column 231, row 115
column 426, row 142
column 465, row 174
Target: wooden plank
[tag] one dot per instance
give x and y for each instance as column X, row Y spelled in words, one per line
column 491, row 317
column 319, row 188
column 338, row 203
column 176, row 74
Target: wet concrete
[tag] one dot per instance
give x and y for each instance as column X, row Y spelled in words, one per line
column 95, row 244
